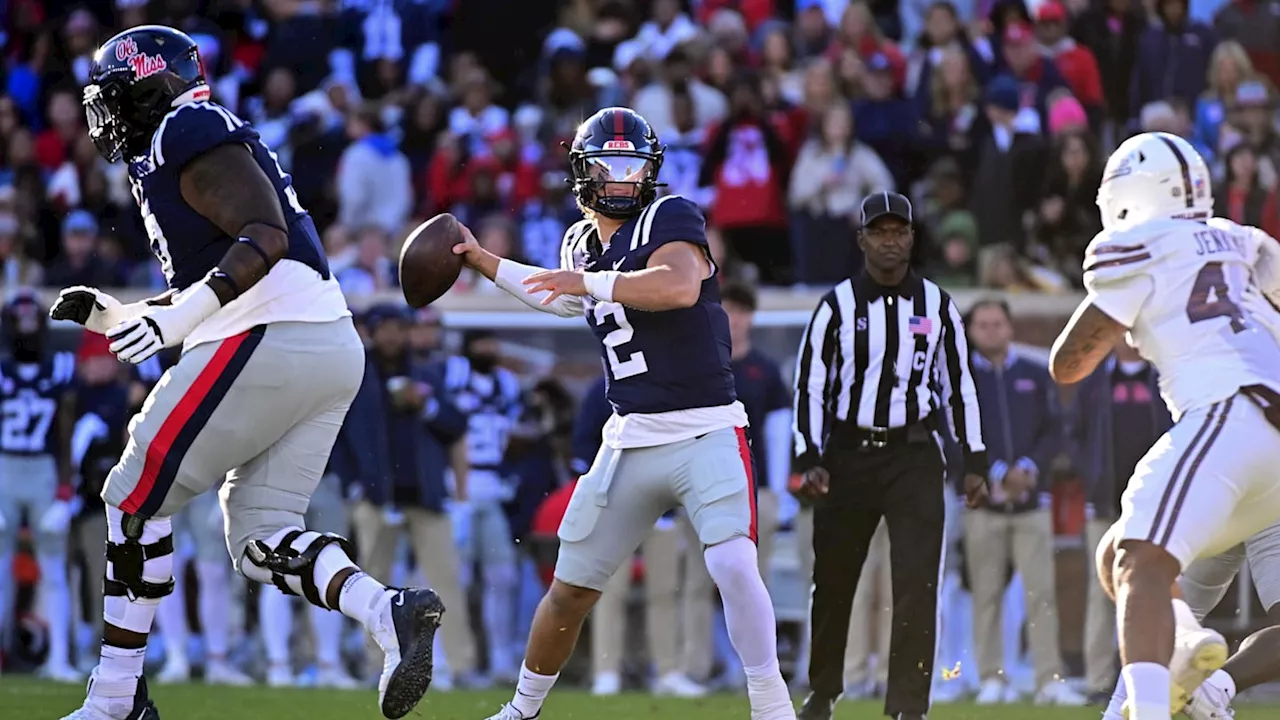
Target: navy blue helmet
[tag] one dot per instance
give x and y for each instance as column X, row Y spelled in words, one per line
column 23, row 323
column 615, row 158
column 134, row 81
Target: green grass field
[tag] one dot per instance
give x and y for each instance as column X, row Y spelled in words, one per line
column 26, row 698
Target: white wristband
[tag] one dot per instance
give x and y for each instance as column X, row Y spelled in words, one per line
column 600, row 284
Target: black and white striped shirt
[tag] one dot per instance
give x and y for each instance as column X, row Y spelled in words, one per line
column 879, row 357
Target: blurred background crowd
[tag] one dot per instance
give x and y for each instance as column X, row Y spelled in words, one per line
column 779, row 115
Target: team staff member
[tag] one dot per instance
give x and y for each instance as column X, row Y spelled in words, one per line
column 883, row 354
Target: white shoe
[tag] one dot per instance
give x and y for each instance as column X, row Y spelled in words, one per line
column 61, row 672
column 176, row 670
column 335, row 678
column 509, row 713
column 993, row 692
column 1210, row 702
column 223, row 673
column 1060, row 693
column 1197, row 654
column 606, row 683
column 677, row 684
column 280, row 676
column 124, row 699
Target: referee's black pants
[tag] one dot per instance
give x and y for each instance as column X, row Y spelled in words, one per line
column 902, row 483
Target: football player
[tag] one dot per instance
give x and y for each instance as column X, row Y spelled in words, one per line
column 1172, row 276
column 262, row 386
column 37, row 416
column 639, row 268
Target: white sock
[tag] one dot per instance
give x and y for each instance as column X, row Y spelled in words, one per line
column 359, row 597
column 326, row 631
column 276, row 623
column 1183, row 617
column 1115, row 708
column 214, row 602
column 1147, row 685
column 57, row 607
column 531, row 691
column 748, row 615
column 121, row 663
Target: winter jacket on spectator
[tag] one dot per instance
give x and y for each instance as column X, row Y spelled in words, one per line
column 1079, row 68
column 999, row 193
column 833, row 183
column 415, row 444
column 1172, row 61
column 1111, row 33
column 1094, row 424
column 374, row 186
column 1255, row 24
column 890, row 127
column 747, row 164
column 359, row 456
column 1023, row 424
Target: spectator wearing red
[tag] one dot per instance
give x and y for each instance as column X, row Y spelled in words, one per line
column 1076, row 62
column 748, row 165
column 1242, row 198
column 858, row 31
column 753, row 12
column 1036, row 75
column 65, row 127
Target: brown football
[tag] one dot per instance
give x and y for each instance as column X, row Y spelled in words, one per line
column 428, row 265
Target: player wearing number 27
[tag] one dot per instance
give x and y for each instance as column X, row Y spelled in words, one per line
column 639, row 269
column 1177, row 280
column 270, row 365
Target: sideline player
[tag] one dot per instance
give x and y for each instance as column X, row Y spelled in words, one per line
column 640, row 270
column 263, row 384
column 1172, row 276
column 37, row 414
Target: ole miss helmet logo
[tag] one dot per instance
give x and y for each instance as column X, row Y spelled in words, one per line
column 126, row 49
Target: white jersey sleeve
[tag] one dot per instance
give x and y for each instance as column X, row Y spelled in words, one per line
column 1117, row 275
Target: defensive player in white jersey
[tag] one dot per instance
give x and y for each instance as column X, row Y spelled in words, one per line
column 271, row 362
column 1172, row 276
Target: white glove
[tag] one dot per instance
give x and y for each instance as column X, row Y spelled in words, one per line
column 57, row 519
column 159, row 327
column 97, row 311
column 1261, row 311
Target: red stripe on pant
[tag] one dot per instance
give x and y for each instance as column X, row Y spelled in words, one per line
column 744, row 452
column 181, row 414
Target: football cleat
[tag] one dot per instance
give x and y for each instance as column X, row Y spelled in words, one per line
column 405, row 630
column 116, row 700
column 510, row 713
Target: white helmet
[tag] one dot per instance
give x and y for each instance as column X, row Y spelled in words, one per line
column 1154, row 175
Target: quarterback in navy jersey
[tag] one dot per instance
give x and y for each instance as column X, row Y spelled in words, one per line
column 640, row 270
column 270, row 365
column 37, row 405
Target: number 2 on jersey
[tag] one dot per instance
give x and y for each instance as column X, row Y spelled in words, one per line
column 615, row 340
column 1211, row 298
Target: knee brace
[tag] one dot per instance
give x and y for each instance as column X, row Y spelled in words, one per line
column 139, row 557
column 292, row 559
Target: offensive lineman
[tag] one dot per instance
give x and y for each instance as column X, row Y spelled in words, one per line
column 639, row 268
column 271, row 363
column 1172, row 276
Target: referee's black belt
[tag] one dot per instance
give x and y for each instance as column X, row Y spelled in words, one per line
column 846, row 435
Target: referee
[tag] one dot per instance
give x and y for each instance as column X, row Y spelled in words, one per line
column 883, row 354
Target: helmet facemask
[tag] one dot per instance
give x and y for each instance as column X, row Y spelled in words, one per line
column 617, row 184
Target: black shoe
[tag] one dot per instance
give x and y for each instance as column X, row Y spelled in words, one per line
column 817, row 707
column 143, row 708
column 415, row 616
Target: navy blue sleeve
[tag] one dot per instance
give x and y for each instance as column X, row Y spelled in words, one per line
column 364, row 436
column 669, row 219
column 1050, row 438
column 776, row 395
column 588, row 428
column 443, row 418
column 193, row 130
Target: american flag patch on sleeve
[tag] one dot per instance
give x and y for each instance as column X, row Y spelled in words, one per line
column 919, row 325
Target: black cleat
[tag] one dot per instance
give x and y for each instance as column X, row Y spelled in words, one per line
column 817, row 707
column 406, row 673
column 143, row 707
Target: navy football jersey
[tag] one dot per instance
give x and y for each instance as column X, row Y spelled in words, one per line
column 186, row 243
column 29, row 398
column 658, row 361
column 492, row 404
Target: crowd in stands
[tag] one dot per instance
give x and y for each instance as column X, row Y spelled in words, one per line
column 778, row 115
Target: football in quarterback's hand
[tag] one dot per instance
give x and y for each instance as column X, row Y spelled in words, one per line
column 428, row 265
